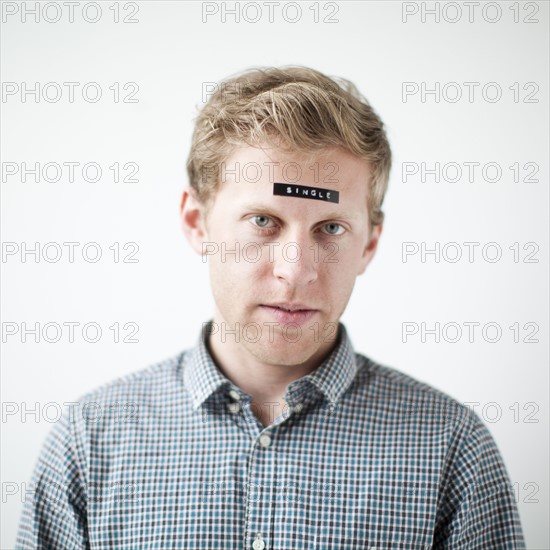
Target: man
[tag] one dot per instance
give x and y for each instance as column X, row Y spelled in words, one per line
column 272, row 432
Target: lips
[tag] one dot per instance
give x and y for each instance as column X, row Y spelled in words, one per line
column 286, row 313
column 290, row 307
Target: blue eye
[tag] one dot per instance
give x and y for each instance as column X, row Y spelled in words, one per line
column 261, row 221
column 333, row 229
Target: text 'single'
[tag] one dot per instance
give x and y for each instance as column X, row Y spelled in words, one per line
column 305, row 192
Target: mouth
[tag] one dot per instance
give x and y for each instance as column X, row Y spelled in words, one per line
column 289, row 307
column 285, row 313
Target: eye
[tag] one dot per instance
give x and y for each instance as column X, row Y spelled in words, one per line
column 261, row 221
column 333, row 229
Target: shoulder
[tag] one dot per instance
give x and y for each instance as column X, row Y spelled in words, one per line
column 408, row 400
column 156, row 381
column 416, row 411
column 128, row 402
column 391, row 381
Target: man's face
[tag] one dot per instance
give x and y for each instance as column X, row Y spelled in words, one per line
column 268, row 253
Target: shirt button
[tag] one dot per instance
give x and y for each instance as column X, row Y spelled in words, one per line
column 258, row 544
column 235, row 395
column 298, row 407
column 234, row 407
column 265, row 441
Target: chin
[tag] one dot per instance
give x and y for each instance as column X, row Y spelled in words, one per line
column 282, row 352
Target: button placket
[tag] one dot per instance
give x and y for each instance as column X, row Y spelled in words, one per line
column 234, row 407
column 265, row 440
column 260, row 495
column 259, row 543
column 234, row 394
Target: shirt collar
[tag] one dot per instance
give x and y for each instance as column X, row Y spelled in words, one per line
column 332, row 377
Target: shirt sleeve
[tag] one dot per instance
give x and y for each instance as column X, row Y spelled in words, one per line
column 54, row 512
column 477, row 508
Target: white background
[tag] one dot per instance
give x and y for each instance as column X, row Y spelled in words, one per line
column 171, row 52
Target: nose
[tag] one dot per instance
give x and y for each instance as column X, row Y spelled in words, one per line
column 295, row 262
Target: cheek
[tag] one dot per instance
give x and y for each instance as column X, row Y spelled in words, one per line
column 340, row 274
column 234, row 276
column 344, row 258
column 339, row 281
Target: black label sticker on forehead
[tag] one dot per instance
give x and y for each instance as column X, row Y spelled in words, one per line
column 305, row 192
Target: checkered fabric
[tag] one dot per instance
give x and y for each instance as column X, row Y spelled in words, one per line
column 364, row 456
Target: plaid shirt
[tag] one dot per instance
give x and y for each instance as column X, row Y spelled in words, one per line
column 364, row 456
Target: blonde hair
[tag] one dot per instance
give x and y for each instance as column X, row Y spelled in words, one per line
column 296, row 108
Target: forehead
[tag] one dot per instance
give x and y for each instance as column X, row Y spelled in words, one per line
column 252, row 172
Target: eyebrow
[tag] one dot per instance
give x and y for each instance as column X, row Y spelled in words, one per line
column 333, row 214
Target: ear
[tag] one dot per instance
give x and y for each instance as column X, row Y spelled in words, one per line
column 193, row 220
column 370, row 249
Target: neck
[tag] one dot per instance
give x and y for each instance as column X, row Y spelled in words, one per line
column 265, row 382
